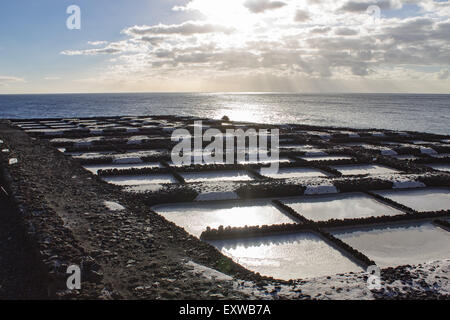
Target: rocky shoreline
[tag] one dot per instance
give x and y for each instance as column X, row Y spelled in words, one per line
column 59, row 211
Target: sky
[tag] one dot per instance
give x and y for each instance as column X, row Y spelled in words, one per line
column 306, row 46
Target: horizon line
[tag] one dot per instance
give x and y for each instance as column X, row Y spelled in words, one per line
column 222, row 92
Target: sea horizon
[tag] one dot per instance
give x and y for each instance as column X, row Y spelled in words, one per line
column 392, row 111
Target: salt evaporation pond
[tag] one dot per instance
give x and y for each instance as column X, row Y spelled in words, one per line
column 95, row 167
column 340, row 206
column 286, row 257
column 286, row 173
column 325, row 158
column 140, row 179
column 405, row 157
column 428, row 199
column 440, row 166
column 441, row 155
column 363, row 169
column 230, row 175
column 195, row 217
column 267, row 161
column 396, row 245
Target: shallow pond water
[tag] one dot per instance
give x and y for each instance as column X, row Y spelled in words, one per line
column 301, row 255
column 441, row 155
column 195, row 217
column 405, row 157
column 440, row 166
column 340, row 206
column 230, row 175
column 140, row 179
column 285, row 173
column 363, row 169
column 325, row 158
column 396, row 245
column 428, row 199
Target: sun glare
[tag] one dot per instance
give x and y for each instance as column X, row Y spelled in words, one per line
column 229, row 12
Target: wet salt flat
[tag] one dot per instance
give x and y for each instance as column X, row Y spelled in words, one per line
column 441, row 155
column 140, row 179
column 440, row 166
column 325, row 158
column 216, row 176
column 340, row 206
column 428, row 199
column 285, row 173
column 357, row 144
column 399, row 244
column 302, row 255
column 90, row 155
column 268, row 161
column 363, row 169
column 405, row 157
column 297, row 147
column 95, row 167
column 192, row 162
column 195, row 217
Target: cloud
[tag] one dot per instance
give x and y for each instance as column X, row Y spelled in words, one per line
column 97, row 43
column 443, row 74
column 301, row 16
column 90, row 52
column 6, row 80
column 313, row 39
column 259, row 6
column 346, row 32
column 361, row 6
column 186, row 28
column 52, row 78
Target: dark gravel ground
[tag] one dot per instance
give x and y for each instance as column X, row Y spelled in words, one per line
column 19, row 274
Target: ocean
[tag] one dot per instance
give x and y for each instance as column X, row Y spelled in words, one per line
column 414, row 112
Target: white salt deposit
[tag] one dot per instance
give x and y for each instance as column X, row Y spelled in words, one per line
column 137, row 139
column 230, row 175
column 195, row 217
column 286, row 257
column 428, row 199
column 144, row 188
column 140, row 179
column 325, row 158
column 339, row 206
column 407, row 184
column 210, row 196
column 284, row 173
column 364, row 169
column 320, row 189
column 426, row 150
column 440, row 166
column 113, row 206
column 441, row 155
column 127, row 160
column 396, row 245
column 405, row 157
